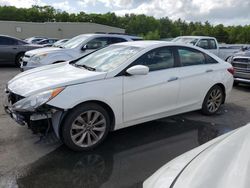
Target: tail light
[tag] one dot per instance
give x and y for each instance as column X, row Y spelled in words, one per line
column 231, row 70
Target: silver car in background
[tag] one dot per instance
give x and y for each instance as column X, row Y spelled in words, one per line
column 12, row 50
column 75, row 48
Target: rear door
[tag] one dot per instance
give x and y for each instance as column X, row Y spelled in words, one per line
column 153, row 94
column 196, row 76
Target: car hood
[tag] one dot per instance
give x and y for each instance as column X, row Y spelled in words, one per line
column 45, row 50
column 49, row 77
column 243, row 53
column 223, row 162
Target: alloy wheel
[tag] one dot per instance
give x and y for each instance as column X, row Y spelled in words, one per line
column 214, row 101
column 88, row 128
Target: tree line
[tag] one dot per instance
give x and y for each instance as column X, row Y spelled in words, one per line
column 142, row 25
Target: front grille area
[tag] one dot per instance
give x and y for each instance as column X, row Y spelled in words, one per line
column 13, row 98
column 242, row 60
column 25, row 63
column 239, row 65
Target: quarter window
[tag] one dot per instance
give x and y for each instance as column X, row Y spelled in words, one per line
column 158, row 59
column 189, row 57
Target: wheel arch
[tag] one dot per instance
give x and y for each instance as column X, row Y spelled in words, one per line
column 98, row 102
column 223, row 90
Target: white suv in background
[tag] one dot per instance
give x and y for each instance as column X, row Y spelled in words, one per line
column 75, row 48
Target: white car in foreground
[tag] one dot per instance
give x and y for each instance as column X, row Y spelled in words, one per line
column 74, row 48
column 118, row 86
column 222, row 162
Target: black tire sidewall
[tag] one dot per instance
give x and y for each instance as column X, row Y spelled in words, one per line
column 17, row 59
column 71, row 116
column 204, row 104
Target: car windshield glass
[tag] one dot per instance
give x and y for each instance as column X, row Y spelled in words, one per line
column 109, row 58
column 74, row 42
column 185, row 40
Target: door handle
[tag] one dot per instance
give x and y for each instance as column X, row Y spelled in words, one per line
column 14, row 48
column 209, row 70
column 172, row 79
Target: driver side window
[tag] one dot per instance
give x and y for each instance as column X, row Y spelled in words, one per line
column 97, row 43
column 157, row 59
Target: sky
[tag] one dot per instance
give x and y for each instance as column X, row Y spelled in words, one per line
column 227, row 12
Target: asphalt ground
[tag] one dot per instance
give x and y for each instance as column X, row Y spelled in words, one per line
column 125, row 159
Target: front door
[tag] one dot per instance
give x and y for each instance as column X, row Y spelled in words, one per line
column 146, row 96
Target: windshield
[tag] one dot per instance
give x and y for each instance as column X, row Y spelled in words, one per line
column 74, row 42
column 185, row 40
column 109, row 58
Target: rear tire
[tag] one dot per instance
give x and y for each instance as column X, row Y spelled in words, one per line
column 213, row 100
column 85, row 127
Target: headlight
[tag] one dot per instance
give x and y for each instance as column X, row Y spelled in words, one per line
column 38, row 58
column 31, row 103
column 230, row 59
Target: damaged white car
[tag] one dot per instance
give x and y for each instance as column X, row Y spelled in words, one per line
column 116, row 87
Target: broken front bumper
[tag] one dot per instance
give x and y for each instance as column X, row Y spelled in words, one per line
column 37, row 121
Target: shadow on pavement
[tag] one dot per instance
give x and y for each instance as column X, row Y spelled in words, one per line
column 125, row 159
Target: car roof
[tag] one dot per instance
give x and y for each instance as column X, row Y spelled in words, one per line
column 110, row 35
column 143, row 43
column 155, row 43
column 10, row 37
column 196, row 37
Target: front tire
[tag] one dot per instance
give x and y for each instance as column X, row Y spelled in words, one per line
column 85, row 127
column 213, row 100
column 18, row 60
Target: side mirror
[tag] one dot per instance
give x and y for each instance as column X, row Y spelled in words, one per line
column 85, row 47
column 138, row 70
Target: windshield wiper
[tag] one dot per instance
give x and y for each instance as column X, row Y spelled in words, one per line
column 86, row 67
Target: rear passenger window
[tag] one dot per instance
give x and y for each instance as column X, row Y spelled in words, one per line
column 158, row 59
column 7, row 41
column 189, row 57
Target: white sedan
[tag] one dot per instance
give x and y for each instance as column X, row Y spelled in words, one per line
column 116, row 87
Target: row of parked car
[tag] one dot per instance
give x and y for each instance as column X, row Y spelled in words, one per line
column 45, row 42
column 34, row 52
column 107, row 82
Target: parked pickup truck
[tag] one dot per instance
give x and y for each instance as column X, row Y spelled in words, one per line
column 208, row 43
column 241, row 63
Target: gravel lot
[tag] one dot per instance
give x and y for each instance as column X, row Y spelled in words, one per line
column 127, row 157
